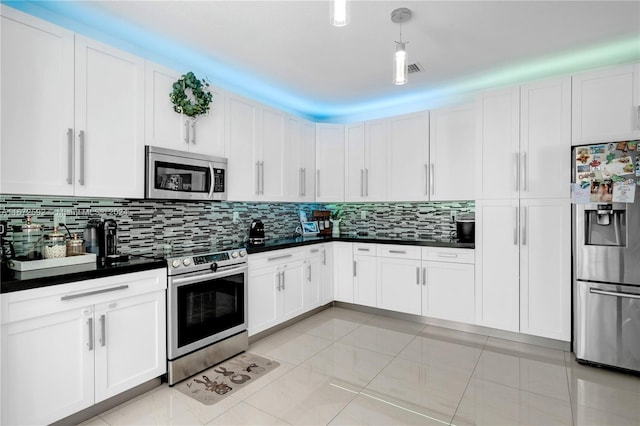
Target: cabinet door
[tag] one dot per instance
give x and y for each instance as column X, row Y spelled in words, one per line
column 545, row 138
column 545, row 274
column 109, row 119
column 452, row 153
column 292, row 299
column 399, row 286
column 605, row 105
column 271, row 139
column 300, row 160
column 243, row 167
column 330, row 162
column 343, row 271
column 36, row 82
column 497, row 144
column 364, row 281
column 497, row 260
column 408, row 159
column 311, row 282
column 307, row 159
column 354, row 162
column 47, row 367
column 376, row 153
column 264, row 290
column 206, row 135
column 326, row 275
column 163, row 126
column 130, row 339
column 449, row 291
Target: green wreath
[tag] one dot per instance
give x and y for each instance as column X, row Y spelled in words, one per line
column 181, row 102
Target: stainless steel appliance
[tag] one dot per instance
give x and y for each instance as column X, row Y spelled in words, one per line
column 606, row 256
column 180, row 175
column 206, row 310
column 256, row 233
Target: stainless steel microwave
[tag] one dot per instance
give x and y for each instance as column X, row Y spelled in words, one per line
column 179, row 175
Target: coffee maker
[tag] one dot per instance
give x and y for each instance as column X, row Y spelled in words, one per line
column 107, row 238
column 256, row 233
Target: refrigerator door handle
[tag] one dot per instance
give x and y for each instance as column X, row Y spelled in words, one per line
column 596, row 290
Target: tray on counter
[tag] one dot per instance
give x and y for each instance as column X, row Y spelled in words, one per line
column 32, row 265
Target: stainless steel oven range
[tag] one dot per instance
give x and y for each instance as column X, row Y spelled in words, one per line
column 206, row 310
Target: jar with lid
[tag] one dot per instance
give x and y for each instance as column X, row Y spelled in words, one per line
column 27, row 240
column 54, row 245
column 75, row 246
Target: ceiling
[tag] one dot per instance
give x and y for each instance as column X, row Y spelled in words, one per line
column 287, row 54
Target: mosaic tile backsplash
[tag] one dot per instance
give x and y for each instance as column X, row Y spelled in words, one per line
column 146, row 225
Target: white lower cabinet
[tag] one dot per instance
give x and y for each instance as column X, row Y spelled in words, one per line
column 364, row 275
column 399, row 286
column 311, row 279
column 343, row 272
column 449, row 291
column 326, row 274
column 69, row 346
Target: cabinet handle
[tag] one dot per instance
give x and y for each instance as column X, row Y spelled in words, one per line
column 515, row 226
column 300, row 182
column 426, row 180
column 304, row 182
column 417, row 275
column 70, row 156
column 284, row 256
column 90, row 324
column 363, row 249
column 314, row 250
column 279, row 281
column 424, row 276
column 452, row 255
column 398, row 251
column 309, row 278
column 524, row 226
column 354, row 269
column 523, row 176
column 284, row 280
column 193, row 131
column 257, row 178
column 103, row 327
column 324, row 256
column 186, row 132
column 516, row 172
column 366, row 182
column 362, row 182
column 262, row 175
column 318, row 183
column 81, row 137
column 432, row 179
column 91, row 293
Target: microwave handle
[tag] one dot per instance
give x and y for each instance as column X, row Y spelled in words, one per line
column 213, row 182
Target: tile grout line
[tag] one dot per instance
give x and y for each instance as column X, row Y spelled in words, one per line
column 566, row 370
column 469, row 380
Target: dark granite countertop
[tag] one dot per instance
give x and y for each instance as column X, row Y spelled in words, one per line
column 282, row 243
column 15, row 281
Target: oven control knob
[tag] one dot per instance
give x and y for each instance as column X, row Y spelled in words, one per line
column 176, row 263
column 234, row 254
column 243, row 253
column 214, row 266
column 186, row 261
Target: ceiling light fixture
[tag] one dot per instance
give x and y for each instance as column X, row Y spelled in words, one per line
column 340, row 15
column 400, row 71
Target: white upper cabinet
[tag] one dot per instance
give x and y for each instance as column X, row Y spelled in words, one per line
column 167, row 129
column 330, row 163
column 497, row 143
column 545, row 139
column 408, row 158
column 271, row 154
column 354, row 153
column 606, row 105
column 300, row 160
column 71, row 109
column 366, row 161
column 452, row 134
column 109, row 117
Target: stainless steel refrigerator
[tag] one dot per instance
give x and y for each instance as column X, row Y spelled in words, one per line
column 606, row 254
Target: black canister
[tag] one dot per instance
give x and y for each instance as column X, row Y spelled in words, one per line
column 466, row 228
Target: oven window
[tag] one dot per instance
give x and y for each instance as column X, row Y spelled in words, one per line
column 182, row 177
column 209, row 307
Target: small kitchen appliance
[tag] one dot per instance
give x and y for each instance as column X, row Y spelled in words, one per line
column 107, row 239
column 256, row 233
column 91, row 236
column 206, row 310
column 180, row 175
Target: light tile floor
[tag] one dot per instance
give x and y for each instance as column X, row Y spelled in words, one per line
column 343, row 367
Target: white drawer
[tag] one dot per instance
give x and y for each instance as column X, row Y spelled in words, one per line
column 275, row 257
column 21, row 305
column 364, row 249
column 445, row 254
column 399, row 251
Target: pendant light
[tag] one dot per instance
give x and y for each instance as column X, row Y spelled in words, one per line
column 400, row 63
column 340, row 15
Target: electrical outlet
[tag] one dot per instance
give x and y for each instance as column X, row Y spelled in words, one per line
column 453, row 215
column 59, row 217
column 363, row 215
column 236, row 217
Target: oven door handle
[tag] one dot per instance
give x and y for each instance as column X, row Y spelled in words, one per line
column 205, row 277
